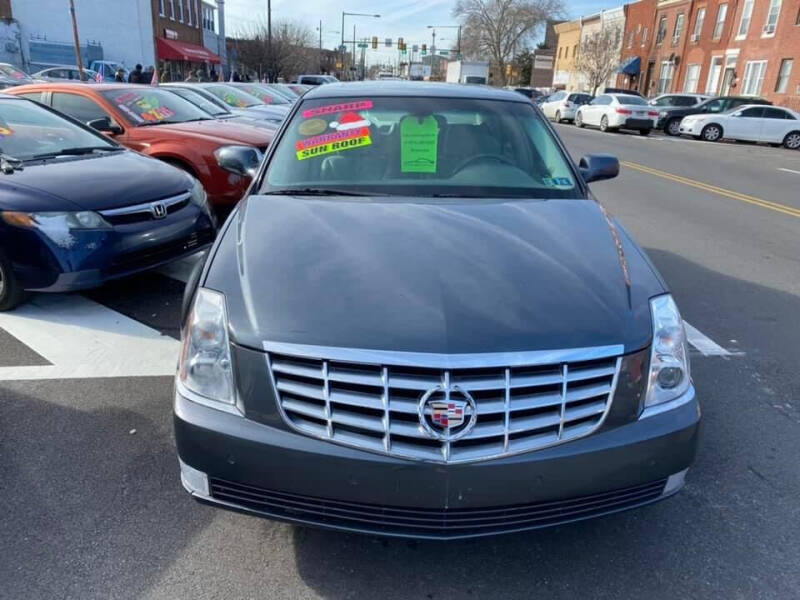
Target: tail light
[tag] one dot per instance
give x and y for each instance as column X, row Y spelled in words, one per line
column 652, row 113
column 624, row 111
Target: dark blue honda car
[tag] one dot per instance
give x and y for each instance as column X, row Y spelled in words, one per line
column 77, row 209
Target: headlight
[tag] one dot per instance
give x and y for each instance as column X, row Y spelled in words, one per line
column 242, row 160
column 669, row 357
column 205, row 364
column 56, row 221
column 198, row 194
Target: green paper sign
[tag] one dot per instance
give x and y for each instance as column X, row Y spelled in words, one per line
column 419, row 142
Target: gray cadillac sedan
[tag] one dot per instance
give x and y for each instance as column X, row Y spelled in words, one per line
column 420, row 323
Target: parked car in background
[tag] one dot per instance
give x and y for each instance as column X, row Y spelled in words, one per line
column 751, row 122
column 613, row 90
column 468, row 402
column 66, row 73
column 264, row 93
column 219, row 111
column 671, row 122
column 296, row 88
column 77, row 209
column 236, row 101
column 528, row 92
column 562, row 106
column 669, row 103
column 108, row 69
column 11, row 76
column 161, row 124
column 316, row 79
column 610, row 112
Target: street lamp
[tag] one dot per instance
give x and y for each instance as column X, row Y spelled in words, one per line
column 435, row 27
column 354, row 32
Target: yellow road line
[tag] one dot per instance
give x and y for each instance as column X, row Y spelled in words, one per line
column 781, row 208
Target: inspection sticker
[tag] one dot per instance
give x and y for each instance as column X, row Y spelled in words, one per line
column 333, row 142
column 337, row 108
column 5, row 132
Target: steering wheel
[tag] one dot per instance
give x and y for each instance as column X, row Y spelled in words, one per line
column 481, row 158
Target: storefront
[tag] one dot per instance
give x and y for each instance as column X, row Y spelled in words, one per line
column 178, row 59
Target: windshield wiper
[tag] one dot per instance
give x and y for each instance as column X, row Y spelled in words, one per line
column 77, row 151
column 321, row 192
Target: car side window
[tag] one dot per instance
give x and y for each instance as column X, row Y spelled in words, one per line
column 560, row 96
column 776, row 113
column 78, row 107
column 714, row 106
column 36, row 96
column 684, row 101
column 752, row 113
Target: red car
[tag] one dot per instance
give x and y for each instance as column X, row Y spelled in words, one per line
column 161, row 124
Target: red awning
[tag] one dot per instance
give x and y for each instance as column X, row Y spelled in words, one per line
column 175, row 50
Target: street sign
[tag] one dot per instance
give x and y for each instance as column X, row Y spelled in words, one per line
column 388, row 42
column 362, row 45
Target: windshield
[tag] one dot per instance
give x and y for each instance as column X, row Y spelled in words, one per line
column 28, row 130
column 233, row 97
column 265, row 95
column 199, row 101
column 632, row 100
column 420, row 147
column 153, row 106
column 9, row 72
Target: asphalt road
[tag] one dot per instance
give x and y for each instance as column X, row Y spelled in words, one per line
column 91, row 505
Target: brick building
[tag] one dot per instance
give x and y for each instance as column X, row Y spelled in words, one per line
column 178, row 27
column 665, row 61
column 639, row 20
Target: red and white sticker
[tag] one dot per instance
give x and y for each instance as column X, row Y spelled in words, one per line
column 337, row 108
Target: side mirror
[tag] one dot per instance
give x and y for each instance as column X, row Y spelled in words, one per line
column 242, row 160
column 104, row 125
column 596, row 167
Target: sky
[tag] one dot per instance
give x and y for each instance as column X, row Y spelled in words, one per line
column 407, row 19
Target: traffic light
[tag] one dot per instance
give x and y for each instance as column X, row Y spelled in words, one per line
column 424, row 48
column 374, row 42
column 400, row 44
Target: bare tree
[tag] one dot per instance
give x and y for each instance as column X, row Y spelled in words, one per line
column 293, row 49
column 497, row 29
column 599, row 55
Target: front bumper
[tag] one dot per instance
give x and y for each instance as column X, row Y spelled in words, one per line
column 239, row 464
column 692, row 127
column 88, row 258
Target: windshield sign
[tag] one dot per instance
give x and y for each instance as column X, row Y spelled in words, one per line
column 420, row 147
column 233, row 97
column 150, row 106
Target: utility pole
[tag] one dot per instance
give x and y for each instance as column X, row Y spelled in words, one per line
column 320, row 45
column 77, row 39
column 270, row 61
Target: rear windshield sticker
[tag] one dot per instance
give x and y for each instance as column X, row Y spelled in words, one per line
column 337, row 108
column 333, row 142
column 419, row 141
column 5, row 132
column 312, row 127
column 350, row 120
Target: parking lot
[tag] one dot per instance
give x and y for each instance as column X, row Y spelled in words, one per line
column 93, row 507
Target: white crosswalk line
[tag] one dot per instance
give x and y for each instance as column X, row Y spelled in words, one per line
column 84, row 339
column 705, row 345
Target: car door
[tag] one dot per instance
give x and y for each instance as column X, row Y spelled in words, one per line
column 744, row 124
column 549, row 108
column 592, row 112
column 776, row 123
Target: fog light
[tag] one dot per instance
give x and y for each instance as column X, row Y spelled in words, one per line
column 670, row 377
column 675, row 482
column 193, row 480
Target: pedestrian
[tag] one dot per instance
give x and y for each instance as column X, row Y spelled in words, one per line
column 147, row 76
column 137, row 75
column 120, row 75
column 194, row 77
column 212, row 75
column 236, row 76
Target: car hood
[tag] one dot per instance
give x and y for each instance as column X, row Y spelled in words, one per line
column 483, row 276
column 93, row 182
column 221, row 131
column 274, row 111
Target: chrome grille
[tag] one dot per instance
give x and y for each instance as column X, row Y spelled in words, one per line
column 371, row 400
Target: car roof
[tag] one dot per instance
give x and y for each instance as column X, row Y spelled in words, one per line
column 367, row 89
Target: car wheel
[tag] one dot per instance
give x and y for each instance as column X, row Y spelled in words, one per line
column 558, row 116
column 673, row 127
column 11, row 293
column 644, row 132
column 792, row 140
column 604, row 123
column 711, row 133
column 579, row 120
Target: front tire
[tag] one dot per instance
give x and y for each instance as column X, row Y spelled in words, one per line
column 711, row 133
column 558, row 116
column 673, row 127
column 11, row 293
column 604, row 124
column 792, row 140
column 579, row 120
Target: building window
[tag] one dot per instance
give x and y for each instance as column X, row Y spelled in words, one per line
column 772, row 18
column 161, row 8
column 575, row 51
column 172, row 9
column 712, row 85
column 560, row 49
column 630, row 39
column 180, row 11
column 692, row 77
column 783, row 76
column 644, row 36
column 698, row 24
column 722, row 14
column 744, row 23
column 188, row 12
column 676, row 33
column 754, row 77
column 665, row 77
column 196, row 15
column 662, row 31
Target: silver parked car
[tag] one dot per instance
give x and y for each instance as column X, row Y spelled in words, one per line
column 66, row 73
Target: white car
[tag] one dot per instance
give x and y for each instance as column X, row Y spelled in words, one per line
column 750, row 122
column 618, row 111
column 562, row 106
